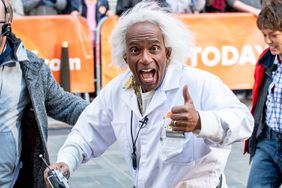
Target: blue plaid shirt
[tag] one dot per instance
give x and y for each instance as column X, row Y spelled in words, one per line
column 274, row 100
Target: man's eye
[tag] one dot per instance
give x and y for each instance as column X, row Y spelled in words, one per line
column 134, row 50
column 155, row 48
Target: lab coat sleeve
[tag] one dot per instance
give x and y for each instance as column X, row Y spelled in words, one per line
column 91, row 135
column 224, row 119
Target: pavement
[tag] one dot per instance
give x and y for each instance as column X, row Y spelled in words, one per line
column 110, row 170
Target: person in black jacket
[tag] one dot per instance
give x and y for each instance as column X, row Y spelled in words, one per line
column 72, row 7
column 124, row 5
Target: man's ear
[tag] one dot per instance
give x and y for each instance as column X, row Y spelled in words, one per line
column 125, row 59
column 168, row 52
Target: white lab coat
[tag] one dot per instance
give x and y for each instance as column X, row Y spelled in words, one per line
column 197, row 163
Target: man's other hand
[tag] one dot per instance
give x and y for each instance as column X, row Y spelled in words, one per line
column 63, row 167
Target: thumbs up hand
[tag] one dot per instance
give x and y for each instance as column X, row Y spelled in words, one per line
column 185, row 117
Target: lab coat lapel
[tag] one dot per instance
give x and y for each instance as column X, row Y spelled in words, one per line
column 170, row 82
column 130, row 99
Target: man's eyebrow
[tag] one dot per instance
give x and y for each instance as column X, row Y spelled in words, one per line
column 155, row 41
column 133, row 43
column 151, row 41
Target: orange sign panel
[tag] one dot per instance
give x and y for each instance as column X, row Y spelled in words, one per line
column 44, row 36
column 227, row 45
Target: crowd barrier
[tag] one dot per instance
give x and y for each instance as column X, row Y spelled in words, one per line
column 44, row 36
column 227, row 45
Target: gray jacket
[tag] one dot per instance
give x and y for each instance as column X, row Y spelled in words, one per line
column 47, row 98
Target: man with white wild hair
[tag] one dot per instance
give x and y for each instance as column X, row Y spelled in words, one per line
column 170, row 136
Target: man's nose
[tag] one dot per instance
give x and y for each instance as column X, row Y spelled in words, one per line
column 146, row 57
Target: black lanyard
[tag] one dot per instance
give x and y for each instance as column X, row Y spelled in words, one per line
column 133, row 154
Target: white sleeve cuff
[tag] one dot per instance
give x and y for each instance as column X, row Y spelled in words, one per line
column 70, row 155
column 210, row 126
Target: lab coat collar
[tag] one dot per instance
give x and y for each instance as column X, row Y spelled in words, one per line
column 171, row 81
column 172, row 77
column 130, row 99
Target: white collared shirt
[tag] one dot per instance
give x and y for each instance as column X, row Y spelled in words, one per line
column 197, row 163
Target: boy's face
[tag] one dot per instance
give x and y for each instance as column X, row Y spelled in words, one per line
column 273, row 39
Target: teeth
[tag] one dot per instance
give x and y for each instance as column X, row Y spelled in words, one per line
column 146, row 70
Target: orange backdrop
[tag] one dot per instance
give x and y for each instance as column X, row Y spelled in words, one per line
column 227, row 45
column 44, row 35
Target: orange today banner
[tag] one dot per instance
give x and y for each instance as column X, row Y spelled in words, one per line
column 44, row 36
column 227, row 45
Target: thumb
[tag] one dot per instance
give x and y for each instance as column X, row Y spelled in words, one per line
column 65, row 169
column 186, row 95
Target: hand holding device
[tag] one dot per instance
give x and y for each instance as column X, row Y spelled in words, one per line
column 55, row 177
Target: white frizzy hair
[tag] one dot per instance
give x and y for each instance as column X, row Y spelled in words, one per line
column 176, row 35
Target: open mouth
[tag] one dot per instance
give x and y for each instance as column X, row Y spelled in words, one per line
column 272, row 48
column 147, row 75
